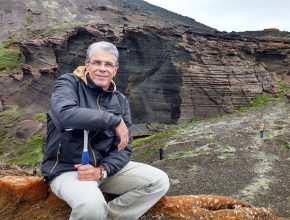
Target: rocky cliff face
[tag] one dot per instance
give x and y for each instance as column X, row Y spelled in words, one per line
column 172, row 70
column 168, row 76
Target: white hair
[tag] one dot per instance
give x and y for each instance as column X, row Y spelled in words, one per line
column 111, row 48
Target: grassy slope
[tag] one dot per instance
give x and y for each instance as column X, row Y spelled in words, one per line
column 10, row 57
column 25, row 153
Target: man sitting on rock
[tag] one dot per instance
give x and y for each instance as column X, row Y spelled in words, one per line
column 88, row 100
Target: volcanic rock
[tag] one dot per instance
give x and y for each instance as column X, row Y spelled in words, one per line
column 172, row 68
column 24, row 197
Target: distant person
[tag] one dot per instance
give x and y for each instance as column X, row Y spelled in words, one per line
column 88, row 100
column 261, row 130
column 161, row 153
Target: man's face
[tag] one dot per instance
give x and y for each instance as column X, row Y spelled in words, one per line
column 102, row 67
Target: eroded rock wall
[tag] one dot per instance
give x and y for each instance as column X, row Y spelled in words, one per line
column 168, row 76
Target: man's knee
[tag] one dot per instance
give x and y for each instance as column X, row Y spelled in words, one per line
column 94, row 210
column 163, row 182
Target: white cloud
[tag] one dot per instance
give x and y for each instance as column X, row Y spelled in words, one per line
column 233, row 15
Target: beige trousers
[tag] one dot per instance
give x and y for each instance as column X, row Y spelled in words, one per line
column 139, row 185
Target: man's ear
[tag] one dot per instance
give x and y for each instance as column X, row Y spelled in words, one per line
column 87, row 64
column 116, row 71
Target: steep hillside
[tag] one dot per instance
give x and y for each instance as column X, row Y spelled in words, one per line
column 21, row 19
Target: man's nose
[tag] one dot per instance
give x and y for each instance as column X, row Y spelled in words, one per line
column 103, row 67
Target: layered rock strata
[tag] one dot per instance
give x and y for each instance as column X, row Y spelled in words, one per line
column 168, row 76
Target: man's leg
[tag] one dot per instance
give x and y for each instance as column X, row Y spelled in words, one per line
column 139, row 185
column 84, row 197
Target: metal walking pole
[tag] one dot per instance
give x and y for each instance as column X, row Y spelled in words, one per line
column 85, row 155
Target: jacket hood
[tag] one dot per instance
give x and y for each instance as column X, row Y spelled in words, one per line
column 82, row 74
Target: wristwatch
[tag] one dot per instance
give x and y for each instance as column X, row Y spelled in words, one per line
column 104, row 172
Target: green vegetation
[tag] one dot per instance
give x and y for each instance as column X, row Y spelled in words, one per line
column 181, row 153
column 150, row 138
column 170, row 131
column 260, row 100
column 282, row 86
column 41, row 117
column 7, row 134
column 45, row 32
column 28, row 153
column 147, row 148
column 19, row 152
column 285, row 145
column 52, row 19
column 9, row 116
column 8, row 43
column 10, row 58
column 263, row 99
column 194, row 120
column 243, row 108
column 29, row 19
column 282, row 89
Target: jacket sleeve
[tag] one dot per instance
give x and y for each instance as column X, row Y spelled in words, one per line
column 117, row 159
column 66, row 113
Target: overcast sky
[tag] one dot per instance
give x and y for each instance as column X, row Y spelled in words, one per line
column 233, row 15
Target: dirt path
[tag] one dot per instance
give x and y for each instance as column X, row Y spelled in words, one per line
column 226, row 156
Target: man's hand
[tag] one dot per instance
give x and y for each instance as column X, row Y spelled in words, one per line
column 123, row 133
column 88, row 172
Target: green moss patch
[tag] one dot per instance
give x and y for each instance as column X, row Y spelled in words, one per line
column 10, row 58
column 41, row 117
column 24, row 153
column 29, row 19
column 285, row 145
column 180, row 154
column 9, row 116
column 29, row 153
column 260, row 100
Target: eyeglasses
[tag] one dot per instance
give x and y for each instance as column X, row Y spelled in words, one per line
column 98, row 63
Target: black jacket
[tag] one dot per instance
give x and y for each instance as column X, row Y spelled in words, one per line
column 77, row 105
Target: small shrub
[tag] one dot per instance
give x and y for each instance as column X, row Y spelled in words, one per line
column 282, row 86
column 285, row 145
column 41, row 117
column 260, row 100
column 29, row 19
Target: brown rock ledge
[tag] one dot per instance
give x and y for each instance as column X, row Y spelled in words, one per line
column 27, row 197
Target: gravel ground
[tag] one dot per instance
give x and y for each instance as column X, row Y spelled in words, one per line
column 226, row 156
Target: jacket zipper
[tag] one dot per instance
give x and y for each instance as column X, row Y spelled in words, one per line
column 94, row 156
column 57, row 157
column 98, row 101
